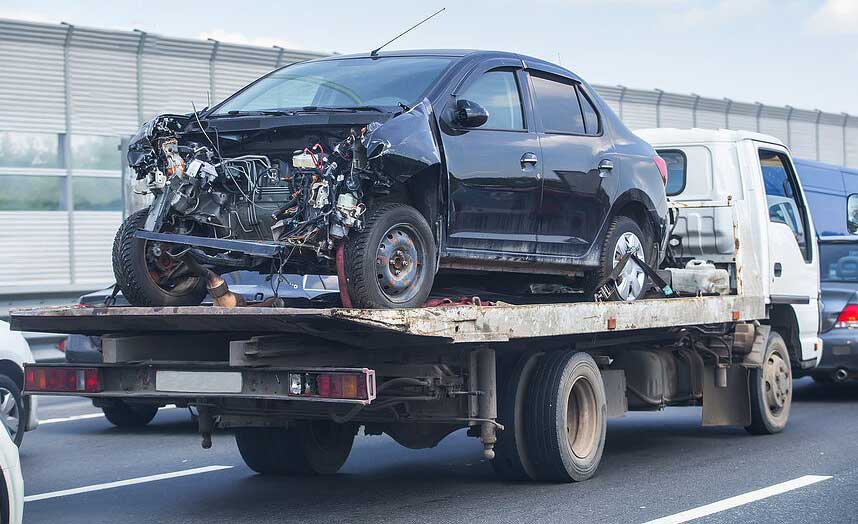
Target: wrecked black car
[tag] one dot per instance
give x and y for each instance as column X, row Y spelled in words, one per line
column 385, row 169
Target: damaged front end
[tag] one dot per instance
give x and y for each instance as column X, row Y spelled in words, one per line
column 252, row 200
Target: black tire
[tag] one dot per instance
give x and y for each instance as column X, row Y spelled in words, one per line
column 307, row 448
column 771, row 389
column 566, row 417
column 132, row 271
column 511, row 460
column 13, row 410
column 620, row 226
column 391, row 262
column 124, row 415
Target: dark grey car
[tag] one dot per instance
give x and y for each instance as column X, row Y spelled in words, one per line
column 838, row 270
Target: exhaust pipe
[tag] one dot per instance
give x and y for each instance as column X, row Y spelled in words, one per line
column 840, row 375
column 216, row 285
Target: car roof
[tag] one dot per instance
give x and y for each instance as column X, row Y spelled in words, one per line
column 674, row 136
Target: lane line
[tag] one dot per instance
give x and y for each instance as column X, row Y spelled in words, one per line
column 739, row 500
column 120, row 483
column 87, row 416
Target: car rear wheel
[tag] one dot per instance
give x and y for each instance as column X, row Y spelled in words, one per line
column 147, row 274
column 124, row 415
column 13, row 413
column 391, row 262
column 623, row 236
column 306, row 448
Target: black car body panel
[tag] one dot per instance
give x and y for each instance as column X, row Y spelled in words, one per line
column 498, row 199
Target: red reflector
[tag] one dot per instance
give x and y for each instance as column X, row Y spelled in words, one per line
column 849, row 316
column 662, row 168
column 62, row 380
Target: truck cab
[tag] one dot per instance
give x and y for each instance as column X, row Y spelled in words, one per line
column 735, row 167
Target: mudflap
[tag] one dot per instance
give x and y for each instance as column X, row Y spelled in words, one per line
column 727, row 406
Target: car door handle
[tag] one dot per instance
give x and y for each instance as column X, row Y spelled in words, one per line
column 606, row 165
column 778, row 269
column 529, row 160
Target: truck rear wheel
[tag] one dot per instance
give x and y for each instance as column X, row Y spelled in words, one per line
column 143, row 270
column 511, row 460
column 566, row 417
column 391, row 262
column 771, row 389
column 307, row 448
column 124, row 415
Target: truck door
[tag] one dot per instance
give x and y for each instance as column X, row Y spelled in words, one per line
column 494, row 168
column 792, row 250
column 579, row 170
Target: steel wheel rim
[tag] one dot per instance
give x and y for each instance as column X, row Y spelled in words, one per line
column 777, row 383
column 631, row 278
column 182, row 286
column 399, row 263
column 10, row 416
column 581, row 418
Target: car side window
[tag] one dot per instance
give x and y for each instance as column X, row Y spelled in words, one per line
column 783, row 197
column 497, row 91
column 591, row 116
column 557, row 106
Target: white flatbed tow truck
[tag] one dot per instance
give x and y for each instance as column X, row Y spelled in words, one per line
column 536, row 383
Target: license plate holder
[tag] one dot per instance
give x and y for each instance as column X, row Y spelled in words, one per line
column 170, row 381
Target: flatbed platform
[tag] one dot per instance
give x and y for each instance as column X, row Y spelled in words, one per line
column 446, row 325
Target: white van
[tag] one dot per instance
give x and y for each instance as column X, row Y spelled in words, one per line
column 746, row 164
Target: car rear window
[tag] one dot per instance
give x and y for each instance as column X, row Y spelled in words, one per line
column 677, row 165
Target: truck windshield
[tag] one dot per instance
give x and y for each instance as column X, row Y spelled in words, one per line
column 838, row 262
column 346, row 83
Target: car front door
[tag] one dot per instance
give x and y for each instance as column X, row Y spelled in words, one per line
column 579, row 167
column 493, row 168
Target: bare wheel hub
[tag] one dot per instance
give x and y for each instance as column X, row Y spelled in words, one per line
column 777, row 383
column 582, row 419
column 631, row 279
column 399, row 263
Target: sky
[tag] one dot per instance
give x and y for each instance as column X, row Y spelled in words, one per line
column 802, row 53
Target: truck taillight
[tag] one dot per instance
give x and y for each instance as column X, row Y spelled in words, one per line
column 848, row 318
column 349, row 385
column 62, row 380
column 662, row 168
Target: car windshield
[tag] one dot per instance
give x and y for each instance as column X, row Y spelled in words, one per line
column 838, row 262
column 344, row 83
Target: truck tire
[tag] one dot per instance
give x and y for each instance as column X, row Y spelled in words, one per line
column 771, row 389
column 124, row 415
column 13, row 412
column 391, row 262
column 566, row 417
column 135, row 271
column 511, row 460
column 623, row 235
column 307, row 448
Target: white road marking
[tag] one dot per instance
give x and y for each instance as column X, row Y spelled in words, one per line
column 87, row 416
column 739, row 500
column 120, row 483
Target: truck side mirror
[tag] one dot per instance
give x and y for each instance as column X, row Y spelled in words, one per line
column 470, row 114
column 852, row 214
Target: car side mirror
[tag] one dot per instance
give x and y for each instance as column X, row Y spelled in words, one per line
column 470, row 114
column 852, row 214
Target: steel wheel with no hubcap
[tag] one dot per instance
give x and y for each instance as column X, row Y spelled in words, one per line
column 581, row 418
column 777, row 382
column 399, row 263
column 632, row 277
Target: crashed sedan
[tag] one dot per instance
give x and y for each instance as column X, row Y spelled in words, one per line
column 384, row 169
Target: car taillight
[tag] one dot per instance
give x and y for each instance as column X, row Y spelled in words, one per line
column 848, row 318
column 62, row 380
column 349, row 385
column 662, row 168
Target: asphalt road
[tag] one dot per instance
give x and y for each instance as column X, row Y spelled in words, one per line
column 655, row 465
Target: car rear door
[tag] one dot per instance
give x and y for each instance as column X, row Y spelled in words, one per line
column 579, row 167
column 493, row 169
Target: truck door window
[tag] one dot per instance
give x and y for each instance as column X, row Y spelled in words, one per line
column 557, row 106
column 783, row 197
column 497, row 91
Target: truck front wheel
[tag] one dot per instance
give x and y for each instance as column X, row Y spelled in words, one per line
column 306, row 448
column 566, row 417
column 771, row 389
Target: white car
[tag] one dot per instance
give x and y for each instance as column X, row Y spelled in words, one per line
column 17, row 412
column 11, row 482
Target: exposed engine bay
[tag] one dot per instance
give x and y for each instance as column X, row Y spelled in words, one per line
column 299, row 201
